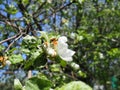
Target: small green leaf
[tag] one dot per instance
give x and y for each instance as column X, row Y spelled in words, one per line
column 44, row 36
column 55, row 68
column 80, row 1
column 15, row 58
column 2, row 47
column 17, row 84
column 81, row 74
column 11, row 9
column 63, row 63
column 26, row 51
column 25, row 1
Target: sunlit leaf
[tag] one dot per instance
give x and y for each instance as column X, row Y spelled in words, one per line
column 75, row 85
column 15, row 58
column 17, row 84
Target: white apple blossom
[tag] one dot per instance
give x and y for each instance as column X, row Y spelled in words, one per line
column 62, row 49
column 59, row 47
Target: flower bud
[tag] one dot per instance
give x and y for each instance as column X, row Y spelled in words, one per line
column 72, row 35
column 101, row 55
column 8, row 63
column 75, row 66
column 51, row 52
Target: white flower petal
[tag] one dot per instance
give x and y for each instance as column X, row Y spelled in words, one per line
column 62, row 49
column 67, row 58
column 70, row 52
column 62, row 52
column 62, row 45
column 66, row 53
column 62, row 39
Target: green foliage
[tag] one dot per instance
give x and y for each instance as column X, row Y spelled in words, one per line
column 14, row 59
column 17, row 85
column 11, row 9
column 38, row 83
column 1, row 1
column 75, row 85
column 2, row 47
column 55, row 68
column 25, row 1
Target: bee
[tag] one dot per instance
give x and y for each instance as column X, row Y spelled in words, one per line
column 54, row 41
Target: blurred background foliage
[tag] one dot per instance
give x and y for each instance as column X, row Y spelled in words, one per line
column 92, row 28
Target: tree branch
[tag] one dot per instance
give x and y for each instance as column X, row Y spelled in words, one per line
column 55, row 11
column 35, row 14
column 13, row 42
column 10, row 23
column 13, row 37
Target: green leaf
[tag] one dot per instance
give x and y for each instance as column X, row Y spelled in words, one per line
column 25, row 1
column 17, row 84
column 44, row 36
column 55, row 68
column 80, row 1
column 63, row 63
column 28, row 65
column 81, row 74
column 37, row 59
column 15, row 58
column 75, row 85
column 30, row 62
column 1, row 1
column 40, row 60
column 26, row 51
column 29, row 39
column 2, row 47
column 11, row 9
column 39, row 82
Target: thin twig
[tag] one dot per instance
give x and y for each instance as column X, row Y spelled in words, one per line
column 6, row 21
column 13, row 42
column 62, row 7
column 13, row 37
column 39, row 8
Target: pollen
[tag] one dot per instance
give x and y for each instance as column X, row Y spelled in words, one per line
column 3, row 59
column 46, row 44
